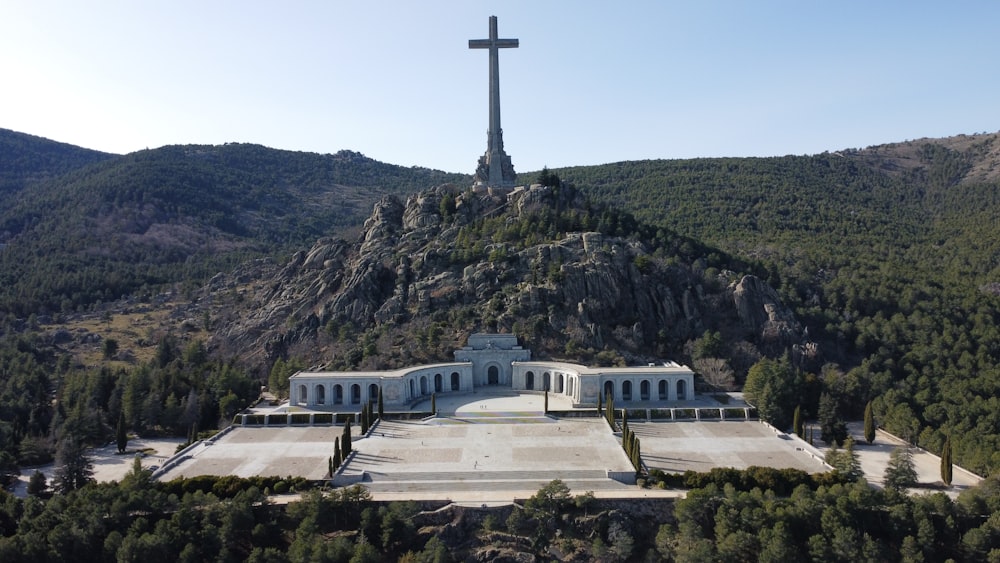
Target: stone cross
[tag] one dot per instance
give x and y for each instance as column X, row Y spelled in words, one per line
column 495, row 168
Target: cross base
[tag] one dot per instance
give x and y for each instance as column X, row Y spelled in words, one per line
column 496, row 170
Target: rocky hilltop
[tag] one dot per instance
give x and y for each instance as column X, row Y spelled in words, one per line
column 571, row 279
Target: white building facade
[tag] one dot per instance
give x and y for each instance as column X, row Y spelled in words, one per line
column 492, row 360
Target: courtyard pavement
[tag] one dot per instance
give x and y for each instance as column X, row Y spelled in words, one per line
column 492, row 447
column 680, row 446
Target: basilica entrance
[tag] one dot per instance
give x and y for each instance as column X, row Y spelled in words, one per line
column 493, row 376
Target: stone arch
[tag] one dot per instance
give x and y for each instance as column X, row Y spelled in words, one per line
column 529, row 381
column 609, row 390
column 423, row 384
column 372, row 392
column 303, row 395
column 681, row 390
column 662, row 390
column 438, row 383
column 321, row 394
column 569, row 385
column 546, row 381
column 493, row 375
column 644, row 390
column 560, row 382
column 338, row 394
column 355, row 394
column 456, row 382
column 413, row 389
column 626, row 390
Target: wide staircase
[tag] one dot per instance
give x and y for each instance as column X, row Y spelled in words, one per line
column 482, row 481
column 492, row 417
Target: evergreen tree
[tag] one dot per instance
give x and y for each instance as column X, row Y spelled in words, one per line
column 73, row 468
column 337, row 458
column 831, row 428
column 121, row 435
column 869, row 423
column 773, row 386
column 37, row 484
column 434, row 408
column 845, row 461
column 946, row 465
column 345, row 441
column 546, row 402
column 600, row 403
column 636, row 454
column 900, row 472
column 364, row 420
column 381, row 404
column 137, row 478
column 797, row 424
column 853, row 462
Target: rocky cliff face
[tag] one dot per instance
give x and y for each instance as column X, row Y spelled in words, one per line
column 447, row 262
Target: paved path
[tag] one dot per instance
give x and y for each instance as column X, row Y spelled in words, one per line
column 874, row 459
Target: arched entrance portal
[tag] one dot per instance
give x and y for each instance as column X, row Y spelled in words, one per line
column 529, row 381
column 493, row 376
column 609, row 390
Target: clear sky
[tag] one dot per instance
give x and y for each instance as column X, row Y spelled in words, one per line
column 592, row 82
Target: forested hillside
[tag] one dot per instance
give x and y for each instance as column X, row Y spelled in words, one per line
column 27, row 159
column 176, row 214
column 889, row 255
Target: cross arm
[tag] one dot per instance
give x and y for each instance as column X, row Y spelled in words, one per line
column 487, row 43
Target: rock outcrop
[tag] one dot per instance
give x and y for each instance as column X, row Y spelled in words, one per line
column 506, row 263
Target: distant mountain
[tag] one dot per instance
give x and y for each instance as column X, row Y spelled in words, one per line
column 87, row 227
column 26, row 159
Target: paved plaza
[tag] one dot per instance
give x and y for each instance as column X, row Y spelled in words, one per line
column 676, row 447
column 493, row 446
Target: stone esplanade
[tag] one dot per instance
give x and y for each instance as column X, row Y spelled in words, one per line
column 492, row 361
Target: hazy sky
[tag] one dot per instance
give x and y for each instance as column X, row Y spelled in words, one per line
column 592, row 82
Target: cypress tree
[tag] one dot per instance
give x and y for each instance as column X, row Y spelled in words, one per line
column 121, row 435
column 337, row 459
column 381, row 405
column 797, row 425
column 600, row 403
column 345, row 443
column 434, row 407
column 946, row 466
column 364, row 420
column 546, row 402
column 869, row 423
column 329, row 465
